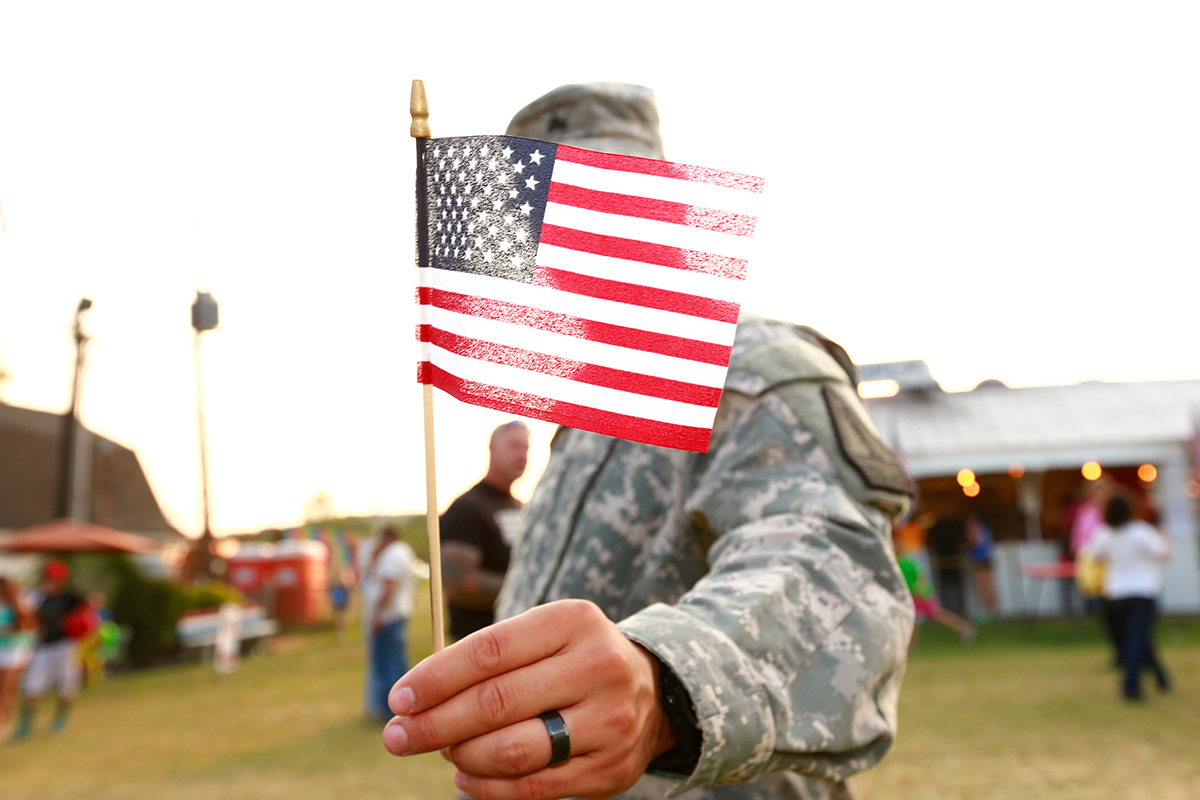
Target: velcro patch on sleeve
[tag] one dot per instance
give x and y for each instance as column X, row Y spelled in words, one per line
column 862, row 447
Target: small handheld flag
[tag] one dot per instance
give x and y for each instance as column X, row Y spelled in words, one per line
column 592, row 290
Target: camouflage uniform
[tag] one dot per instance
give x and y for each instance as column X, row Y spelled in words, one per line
column 761, row 573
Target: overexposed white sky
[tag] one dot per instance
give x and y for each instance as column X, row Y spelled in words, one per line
column 1005, row 190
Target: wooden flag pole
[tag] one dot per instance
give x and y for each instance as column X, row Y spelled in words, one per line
column 418, row 109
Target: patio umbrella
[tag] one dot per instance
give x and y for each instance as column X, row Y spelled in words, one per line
column 73, row 536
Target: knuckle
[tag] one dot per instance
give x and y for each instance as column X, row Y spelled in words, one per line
column 422, row 732
column 530, row 787
column 513, row 757
column 494, row 702
column 488, row 653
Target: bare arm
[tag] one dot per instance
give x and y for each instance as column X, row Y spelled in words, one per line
column 465, row 581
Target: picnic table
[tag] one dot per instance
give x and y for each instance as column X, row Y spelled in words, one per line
column 196, row 631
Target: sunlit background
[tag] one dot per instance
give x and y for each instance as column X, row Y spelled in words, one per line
column 1004, row 190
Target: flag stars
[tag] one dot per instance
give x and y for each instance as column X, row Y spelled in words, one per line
column 518, row 167
column 526, row 208
column 532, row 182
column 536, row 157
column 506, row 152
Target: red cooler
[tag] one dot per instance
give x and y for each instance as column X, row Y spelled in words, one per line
column 300, row 575
column 250, row 570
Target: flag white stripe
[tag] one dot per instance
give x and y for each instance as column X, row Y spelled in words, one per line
column 588, row 351
column 647, row 230
column 738, row 201
column 569, row 391
column 590, row 308
column 669, row 279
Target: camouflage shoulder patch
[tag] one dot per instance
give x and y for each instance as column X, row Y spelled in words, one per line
column 862, row 447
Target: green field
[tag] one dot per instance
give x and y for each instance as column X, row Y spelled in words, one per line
column 1027, row 712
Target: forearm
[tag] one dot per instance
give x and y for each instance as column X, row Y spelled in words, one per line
column 811, row 698
column 477, row 588
column 464, row 580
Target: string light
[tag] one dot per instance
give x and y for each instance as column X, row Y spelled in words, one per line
column 1091, row 471
column 1147, row 473
column 965, row 477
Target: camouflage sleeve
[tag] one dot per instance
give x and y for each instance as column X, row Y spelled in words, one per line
column 793, row 645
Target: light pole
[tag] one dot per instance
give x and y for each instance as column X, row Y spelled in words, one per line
column 69, row 495
column 204, row 318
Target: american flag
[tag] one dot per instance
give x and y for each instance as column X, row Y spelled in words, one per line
column 592, row 290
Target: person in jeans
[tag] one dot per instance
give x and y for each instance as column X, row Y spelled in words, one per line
column 1133, row 551
column 388, row 595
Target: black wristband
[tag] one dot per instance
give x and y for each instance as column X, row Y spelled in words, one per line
column 677, row 707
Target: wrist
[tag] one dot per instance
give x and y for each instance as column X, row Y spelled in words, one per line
column 680, row 738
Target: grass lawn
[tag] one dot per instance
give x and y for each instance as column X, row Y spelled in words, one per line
column 1024, row 713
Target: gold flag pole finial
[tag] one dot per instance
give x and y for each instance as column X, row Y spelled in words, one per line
column 418, row 109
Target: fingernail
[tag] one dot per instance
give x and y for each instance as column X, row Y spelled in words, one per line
column 395, row 739
column 401, row 701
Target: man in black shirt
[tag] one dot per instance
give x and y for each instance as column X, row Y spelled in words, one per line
column 477, row 531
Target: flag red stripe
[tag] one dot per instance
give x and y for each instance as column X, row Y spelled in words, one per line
column 628, row 205
column 638, row 429
column 571, row 369
column 580, row 328
column 644, row 252
column 636, row 294
column 663, row 169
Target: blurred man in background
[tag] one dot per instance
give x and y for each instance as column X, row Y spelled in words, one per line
column 388, row 595
column 477, row 533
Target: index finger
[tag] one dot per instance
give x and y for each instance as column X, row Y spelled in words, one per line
column 514, row 643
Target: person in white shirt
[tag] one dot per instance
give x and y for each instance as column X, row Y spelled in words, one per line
column 388, row 588
column 1133, row 551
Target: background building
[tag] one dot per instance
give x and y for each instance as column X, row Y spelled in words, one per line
column 1030, row 451
column 116, row 490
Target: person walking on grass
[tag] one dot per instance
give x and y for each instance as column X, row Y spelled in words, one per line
column 1133, row 551
column 64, row 616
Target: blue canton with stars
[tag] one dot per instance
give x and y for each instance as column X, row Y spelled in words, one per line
column 487, row 199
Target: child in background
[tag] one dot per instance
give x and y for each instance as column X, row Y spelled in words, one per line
column 926, row 603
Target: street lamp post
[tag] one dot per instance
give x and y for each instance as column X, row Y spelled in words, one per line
column 204, row 318
column 68, row 499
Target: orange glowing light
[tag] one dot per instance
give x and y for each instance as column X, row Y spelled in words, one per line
column 971, row 490
column 1016, row 470
column 1147, row 473
column 1091, row 471
column 965, row 477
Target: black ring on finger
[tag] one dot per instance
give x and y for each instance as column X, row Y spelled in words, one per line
column 560, row 740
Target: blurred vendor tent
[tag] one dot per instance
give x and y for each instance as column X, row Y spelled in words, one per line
column 1019, row 457
column 73, row 536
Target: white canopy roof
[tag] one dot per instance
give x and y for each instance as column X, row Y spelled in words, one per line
column 993, row 426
